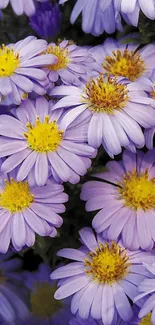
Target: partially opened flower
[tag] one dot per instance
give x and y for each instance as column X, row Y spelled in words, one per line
column 147, row 290
column 102, row 277
column 124, row 60
column 97, row 16
column 71, row 66
column 20, row 71
column 26, row 210
column 20, row 7
column 126, row 202
column 45, row 310
column 37, row 142
column 131, row 9
column 115, row 110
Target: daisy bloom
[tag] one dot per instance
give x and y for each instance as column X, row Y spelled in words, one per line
column 20, row 7
column 37, row 142
column 147, row 290
column 102, row 277
column 126, row 202
column 131, row 9
column 116, row 111
column 45, row 310
column 12, row 298
column 149, row 133
column 20, row 71
column 124, row 60
column 97, row 16
column 71, row 66
column 26, row 210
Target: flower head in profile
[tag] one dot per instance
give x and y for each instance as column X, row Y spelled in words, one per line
column 101, row 278
column 36, row 141
column 126, row 202
column 28, row 209
column 20, row 71
column 47, row 20
column 116, row 110
column 131, row 9
column 97, row 16
column 44, row 308
column 147, row 290
column 71, row 66
column 124, row 60
column 20, row 7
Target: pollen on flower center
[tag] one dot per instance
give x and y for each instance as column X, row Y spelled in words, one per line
column 9, row 61
column 43, row 303
column 16, row 196
column 125, row 63
column 146, row 320
column 43, row 137
column 105, row 95
column 62, row 56
column 107, row 264
column 138, row 191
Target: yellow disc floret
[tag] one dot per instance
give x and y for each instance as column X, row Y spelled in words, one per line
column 105, row 95
column 138, row 191
column 9, row 61
column 62, row 56
column 43, row 137
column 16, row 196
column 107, row 264
column 43, row 303
column 146, row 320
column 128, row 64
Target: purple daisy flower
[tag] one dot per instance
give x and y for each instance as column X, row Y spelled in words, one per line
column 47, row 20
column 147, row 289
column 124, row 60
column 37, row 141
column 20, row 71
column 20, row 7
column 116, row 110
column 72, row 64
column 149, row 133
column 126, row 202
column 45, row 310
column 102, row 278
column 26, row 210
column 97, row 16
column 11, row 296
column 131, row 9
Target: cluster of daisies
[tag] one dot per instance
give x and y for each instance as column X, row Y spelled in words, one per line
column 59, row 103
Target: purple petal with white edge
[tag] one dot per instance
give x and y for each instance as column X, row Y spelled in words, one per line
column 41, row 103
column 96, row 310
column 5, row 238
column 149, row 135
column 95, row 130
column 65, row 90
column 88, row 238
column 22, row 82
column 110, row 136
column 11, row 127
column 60, row 167
column 5, row 86
column 41, row 169
column 73, row 161
column 11, row 147
column 87, row 299
column 128, row 236
column 4, row 218
column 122, row 303
column 14, row 160
column 30, row 236
column 26, row 166
column 72, row 254
column 148, row 8
column 78, row 148
column 143, row 229
column 129, row 160
column 18, row 229
column 147, row 307
column 128, row 7
column 73, row 286
column 76, row 299
column 46, row 213
column 69, row 270
column 79, row 6
column 37, row 224
column 108, row 306
column 39, row 61
column 130, row 289
column 118, row 223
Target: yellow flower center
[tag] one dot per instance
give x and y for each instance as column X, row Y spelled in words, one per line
column 62, row 56
column 105, row 95
column 127, row 64
column 43, row 303
column 138, row 191
column 146, row 320
column 107, row 264
column 9, row 61
column 16, row 196
column 43, row 137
